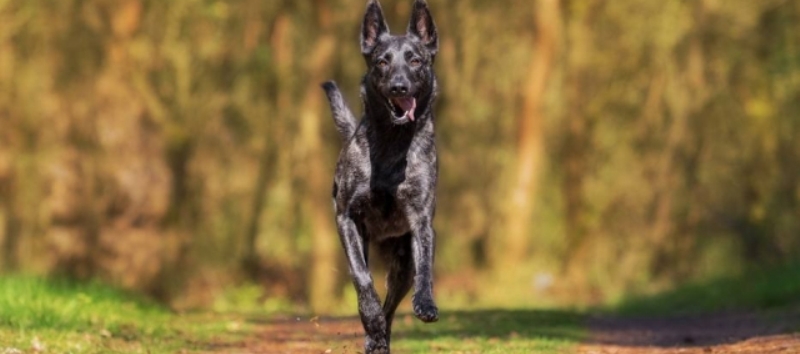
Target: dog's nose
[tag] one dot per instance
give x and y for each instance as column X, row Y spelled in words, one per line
column 398, row 89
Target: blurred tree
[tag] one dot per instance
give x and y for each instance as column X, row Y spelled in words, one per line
column 515, row 236
column 322, row 281
column 183, row 147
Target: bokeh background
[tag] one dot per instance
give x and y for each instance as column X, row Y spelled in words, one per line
column 590, row 150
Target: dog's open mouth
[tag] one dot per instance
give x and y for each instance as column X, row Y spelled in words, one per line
column 403, row 107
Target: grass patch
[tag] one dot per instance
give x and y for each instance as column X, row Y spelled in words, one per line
column 56, row 316
column 28, row 303
column 754, row 290
column 491, row 331
column 67, row 317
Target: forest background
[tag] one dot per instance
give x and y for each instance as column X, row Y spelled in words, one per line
column 589, row 150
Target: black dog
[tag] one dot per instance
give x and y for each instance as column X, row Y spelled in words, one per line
column 383, row 191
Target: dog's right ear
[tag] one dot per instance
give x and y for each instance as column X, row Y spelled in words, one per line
column 373, row 28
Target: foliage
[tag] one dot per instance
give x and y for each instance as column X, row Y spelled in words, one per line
column 183, row 147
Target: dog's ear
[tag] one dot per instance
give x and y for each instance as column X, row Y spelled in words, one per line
column 422, row 26
column 373, row 28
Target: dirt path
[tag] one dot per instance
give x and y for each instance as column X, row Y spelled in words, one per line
column 300, row 335
column 757, row 333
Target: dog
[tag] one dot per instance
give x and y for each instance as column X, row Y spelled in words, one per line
column 385, row 179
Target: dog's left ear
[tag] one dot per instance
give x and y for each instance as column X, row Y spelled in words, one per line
column 422, row 26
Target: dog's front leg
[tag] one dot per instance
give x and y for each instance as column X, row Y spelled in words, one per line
column 422, row 244
column 369, row 306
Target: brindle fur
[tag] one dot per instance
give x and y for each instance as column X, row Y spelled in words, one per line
column 384, row 187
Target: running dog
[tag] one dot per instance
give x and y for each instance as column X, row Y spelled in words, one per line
column 385, row 181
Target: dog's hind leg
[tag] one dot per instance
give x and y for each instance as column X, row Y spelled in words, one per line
column 369, row 305
column 400, row 275
column 342, row 116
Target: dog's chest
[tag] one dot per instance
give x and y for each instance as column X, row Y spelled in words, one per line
column 385, row 217
column 400, row 179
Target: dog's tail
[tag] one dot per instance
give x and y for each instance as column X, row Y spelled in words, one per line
column 342, row 116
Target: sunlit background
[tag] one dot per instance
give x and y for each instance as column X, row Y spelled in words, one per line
column 589, row 150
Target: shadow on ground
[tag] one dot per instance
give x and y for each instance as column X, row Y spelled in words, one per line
column 684, row 331
column 688, row 331
column 759, row 304
column 758, row 331
column 500, row 323
column 758, row 313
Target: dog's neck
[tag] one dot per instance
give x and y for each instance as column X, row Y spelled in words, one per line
column 390, row 142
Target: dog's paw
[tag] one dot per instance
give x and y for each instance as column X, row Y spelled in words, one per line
column 425, row 309
column 372, row 346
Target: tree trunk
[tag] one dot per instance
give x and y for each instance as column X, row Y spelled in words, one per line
column 250, row 259
column 530, row 151
column 577, row 135
column 685, row 95
column 316, row 206
column 10, row 225
column 576, row 142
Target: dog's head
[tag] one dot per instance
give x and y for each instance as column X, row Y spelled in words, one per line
column 399, row 67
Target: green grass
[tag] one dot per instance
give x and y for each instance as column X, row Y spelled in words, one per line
column 754, row 290
column 68, row 317
column 492, row 331
column 553, row 331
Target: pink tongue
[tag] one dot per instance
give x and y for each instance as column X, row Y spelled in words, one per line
column 407, row 104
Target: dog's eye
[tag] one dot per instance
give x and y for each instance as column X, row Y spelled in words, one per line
column 415, row 62
column 383, row 64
